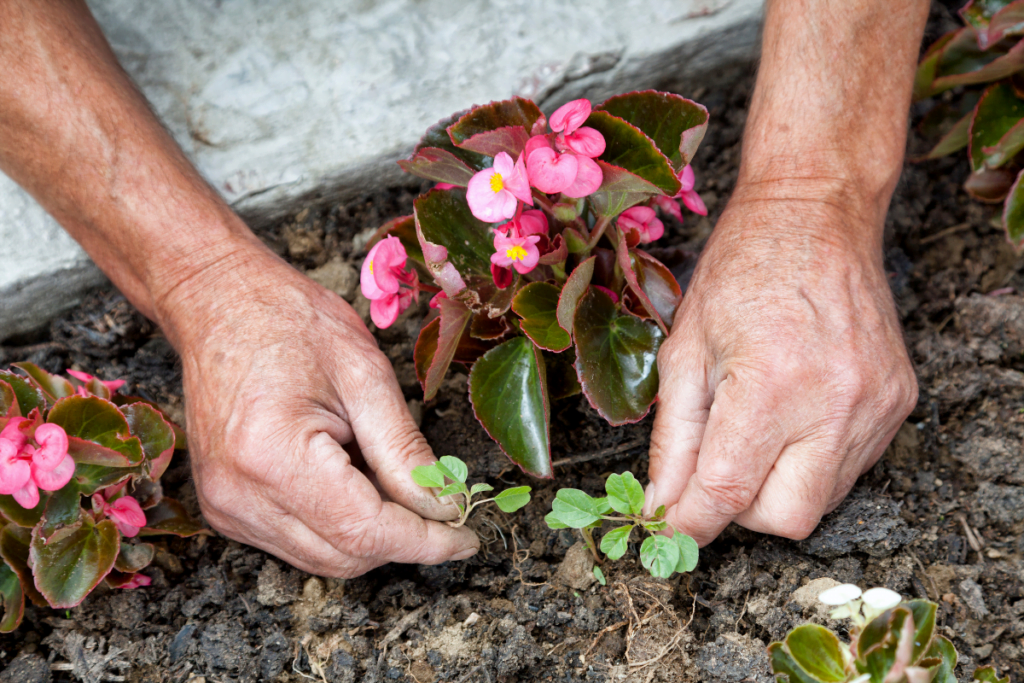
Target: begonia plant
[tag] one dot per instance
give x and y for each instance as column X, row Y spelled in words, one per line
column 532, row 244
column 80, row 466
column 976, row 74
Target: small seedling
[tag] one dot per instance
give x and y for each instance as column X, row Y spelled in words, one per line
column 891, row 641
column 661, row 555
column 449, row 474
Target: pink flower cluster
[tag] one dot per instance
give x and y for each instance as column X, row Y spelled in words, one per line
column 517, row 244
column 387, row 283
column 687, row 195
column 85, row 378
column 32, row 461
column 125, row 512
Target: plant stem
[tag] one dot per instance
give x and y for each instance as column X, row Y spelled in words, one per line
column 602, row 224
column 588, row 537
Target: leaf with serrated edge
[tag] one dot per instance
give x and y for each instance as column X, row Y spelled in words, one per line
column 512, row 499
column 817, row 651
column 574, row 508
column 428, row 476
column 536, row 304
column 625, row 494
column 453, row 468
column 659, row 556
column 615, row 543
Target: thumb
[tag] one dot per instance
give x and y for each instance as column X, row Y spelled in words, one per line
column 683, row 405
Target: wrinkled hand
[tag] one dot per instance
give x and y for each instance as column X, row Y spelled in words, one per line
column 301, row 442
column 785, row 376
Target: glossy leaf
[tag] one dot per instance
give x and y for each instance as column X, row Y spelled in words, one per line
column 874, row 632
column 817, row 651
column 438, row 165
column 512, row 499
column 508, row 390
column 511, row 140
column 574, row 508
column 8, row 401
column 63, row 509
column 627, row 262
column 98, row 434
column 536, row 304
column 675, row 124
column 53, row 386
column 658, row 284
column 615, row 543
column 572, row 291
column 627, row 147
column 13, row 599
column 943, row 650
column 659, row 555
column 428, row 476
column 134, row 557
column 92, row 478
column 154, row 432
column 616, row 359
column 599, row 575
column 29, row 396
column 13, row 512
column 958, row 60
column 784, row 664
column 689, row 553
column 511, row 113
column 923, row 612
column 987, row 674
column 1009, row 21
column 437, row 137
column 73, row 561
column 485, row 328
column 619, row 190
column 169, row 517
column 955, row 139
column 454, row 320
column 404, row 228
column 878, row 659
column 553, row 522
column 453, row 468
column 425, row 348
column 998, row 111
column 14, row 548
column 625, row 494
column 989, row 185
column 1013, row 213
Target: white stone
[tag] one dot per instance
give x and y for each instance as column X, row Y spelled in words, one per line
column 840, row 595
column 881, row 599
column 280, row 101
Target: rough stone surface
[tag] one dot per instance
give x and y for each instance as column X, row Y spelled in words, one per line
column 576, row 571
column 283, row 100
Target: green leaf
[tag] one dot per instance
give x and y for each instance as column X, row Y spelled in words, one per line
column 619, row 190
column 428, row 476
column 92, row 478
column 572, row 291
column 784, row 664
column 616, row 359
column 990, row 185
column 1013, row 213
column 878, row 658
column 53, row 386
column 454, row 320
column 14, row 548
column 438, row 165
column 574, row 508
column 453, row 468
column 659, row 555
column 480, row 488
column 536, row 304
column 13, row 599
column 512, row 499
column 63, row 509
column 134, row 557
column 602, row 505
column 655, row 525
column 494, row 117
column 437, row 137
column 660, row 512
column 978, row 14
column 874, row 632
column 615, row 543
column 554, row 522
column 452, row 489
column 957, row 60
column 987, row 674
column 924, row 626
column 1007, row 148
column 943, row 650
column 599, row 575
column 510, row 140
column 98, row 434
column 155, row 434
column 998, row 111
column 73, row 561
column 508, row 390
column 29, row 396
column 169, row 517
column 13, row 512
column 625, row 494
column 627, row 147
column 688, row 552
column 675, row 124
column 658, row 284
column 955, row 139
column 817, row 651
column 8, row 401
column 1009, row 21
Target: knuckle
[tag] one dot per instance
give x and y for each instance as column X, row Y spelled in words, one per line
column 727, row 493
column 798, row 525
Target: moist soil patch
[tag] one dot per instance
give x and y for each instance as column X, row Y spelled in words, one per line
column 939, row 517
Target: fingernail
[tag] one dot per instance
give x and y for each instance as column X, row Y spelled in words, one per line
column 649, row 507
column 465, row 554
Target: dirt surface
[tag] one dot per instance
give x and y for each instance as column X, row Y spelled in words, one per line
column 939, row 517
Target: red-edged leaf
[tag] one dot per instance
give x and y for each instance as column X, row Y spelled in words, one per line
column 134, row 557
column 1008, row 21
column 536, row 304
column 1013, row 213
column 13, row 599
column 620, row 190
column 484, row 327
column 989, row 185
column 925, row 74
column 29, row 396
column 73, row 561
column 572, row 291
column 955, row 139
column 63, row 509
column 510, row 139
column 959, row 61
column 616, row 359
column 627, row 147
column 491, row 117
column 658, row 284
column 154, row 432
column 53, row 386
column 675, row 124
column 997, row 112
column 437, row 137
column 438, row 165
column 170, row 517
column 14, row 548
column 625, row 257
column 13, row 512
column 559, row 252
column 508, row 390
column 8, row 401
column 453, row 321
column 981, row 14
column 98, row 433
column 426, row 347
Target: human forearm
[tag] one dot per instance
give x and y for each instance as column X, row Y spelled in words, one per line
column 76, row 134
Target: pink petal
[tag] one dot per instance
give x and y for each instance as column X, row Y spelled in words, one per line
column 53, row 442
column 435, row 301
column 550, row 171
column 14, row 472
column 588, row 178
column 127, row 510
column 27, row 496
column 518, row 183
column 445, row 186
column 137, row 580
column 694, row 203
column 532, row 255
column 367, row 283
column 502, row 276
column 127, row 529
column 387, row 262
column 535, row 143
column 587, row 142
column 486, row 204
column 56, row 477
column 113, row 385
column 384, row 311
column 687, row 178
column 610, row 293
column 503, row 164
column 499, row 258
column 640, row 214
column 13, row 433
column 670, row 206
column 570, row 116
column 533, row 223
column 654, row 230
column 80, row 376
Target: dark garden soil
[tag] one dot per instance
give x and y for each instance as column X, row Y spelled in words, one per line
column 939, row 517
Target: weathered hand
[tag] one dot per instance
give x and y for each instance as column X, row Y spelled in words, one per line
column 301, row 442
column 785, row 375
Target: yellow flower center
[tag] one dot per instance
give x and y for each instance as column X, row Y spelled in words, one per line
column 516, row 253
column 497, row 184
column 371, row 266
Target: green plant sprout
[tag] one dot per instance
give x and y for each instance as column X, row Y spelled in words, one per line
column 891, row 641
column 661, row 555
column 451, row 469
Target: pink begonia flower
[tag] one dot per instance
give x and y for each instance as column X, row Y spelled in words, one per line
column 445, row 186
column 528, row 223
column 610, row 293
column 137, row 581
column 570, row 116
column 26, row 468
column 125, row 513
column 687, row 194
column 520, row 253
column 502, row 277
column 670, row 206
column 493, row 192
column 386, row 282
column 86, row 377
column 562, row 170
column 643, row 220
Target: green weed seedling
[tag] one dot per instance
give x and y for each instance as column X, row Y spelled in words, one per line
column 661, row 555
column 449, row 474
